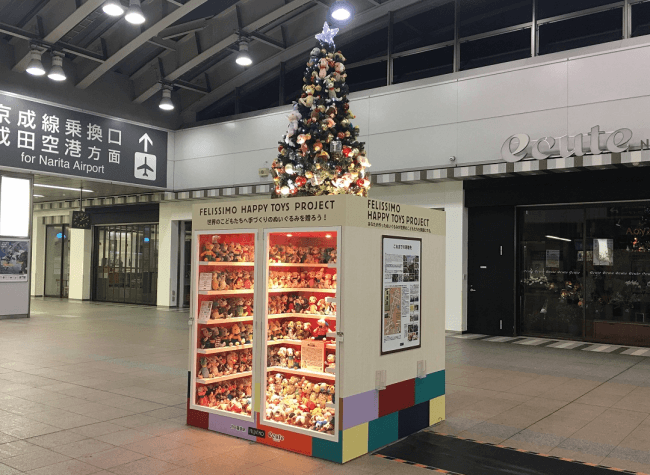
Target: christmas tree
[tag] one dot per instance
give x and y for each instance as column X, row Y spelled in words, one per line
column 320, row 153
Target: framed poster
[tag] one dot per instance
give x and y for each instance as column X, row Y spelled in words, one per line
column 14, row 260
column 401, row 320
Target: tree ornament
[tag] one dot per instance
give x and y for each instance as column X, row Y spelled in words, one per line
column 284, row 190
column 301, row 181
column 327, row 35
column 289, row 168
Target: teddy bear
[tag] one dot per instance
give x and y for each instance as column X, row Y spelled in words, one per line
column 323, row 66
column 248, row 282
column 202, row 398
column 231, row 363
column 206, row 333
column 291, row 330
column 331, row 361
column 294, row 116
column 235, row 335
column 312, row 308
column 208, row 254
column 224, row 335
column 282, row 355
column 327, row 282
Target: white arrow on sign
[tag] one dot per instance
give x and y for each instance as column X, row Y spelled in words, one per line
column 146, row 139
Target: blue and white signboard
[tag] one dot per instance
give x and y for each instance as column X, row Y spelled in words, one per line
column 46, row 138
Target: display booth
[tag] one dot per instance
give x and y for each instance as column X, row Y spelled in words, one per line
column 317, row 323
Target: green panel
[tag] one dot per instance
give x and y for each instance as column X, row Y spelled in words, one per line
column 324, row 449
column 430, row 387
column 382, row 431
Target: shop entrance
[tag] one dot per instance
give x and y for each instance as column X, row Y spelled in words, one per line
column 185, row 263
column 57, row 261
column 584, row 272
column 126, row 263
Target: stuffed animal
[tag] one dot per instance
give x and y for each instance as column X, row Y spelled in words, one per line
column 208, row 253
column 235, row 335
column 204, row 372
column 323, row 66
column 313, row 308
column 201, row 393
column 320, row 332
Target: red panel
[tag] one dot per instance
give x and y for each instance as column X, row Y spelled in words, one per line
column 396, row 397
column 197, row 418
column 284, row 439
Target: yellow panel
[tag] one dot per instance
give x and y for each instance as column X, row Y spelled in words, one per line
column 355, row 442
column 436, row 410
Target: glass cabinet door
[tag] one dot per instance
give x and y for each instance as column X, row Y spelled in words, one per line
column 224, row 309
column 301, row 319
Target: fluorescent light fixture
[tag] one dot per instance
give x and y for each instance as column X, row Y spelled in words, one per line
column 559, row 238
column 39, row 196
column 61, row 188
column 57, row 73
column 243, row 58
column 35, row 66
column 113, row 8
column 134, row 14
column 166, row 101
column 15, row 207
column 341, row 11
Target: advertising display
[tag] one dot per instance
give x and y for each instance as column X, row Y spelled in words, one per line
column 402, row 299
column 285, row 298
column 14, row 260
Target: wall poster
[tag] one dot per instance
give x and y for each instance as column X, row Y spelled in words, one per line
column 401, row 291
column 14, row 260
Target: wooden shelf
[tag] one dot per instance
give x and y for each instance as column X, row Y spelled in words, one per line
column 274, row 264
column 223, row 349
column 225, row 292
column 301, row 315
column 226, row 264
column 224, row 320
column 303, row 372
column 322, row 291
column 224, row 378
column 286, row 341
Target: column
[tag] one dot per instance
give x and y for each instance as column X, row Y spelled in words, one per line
column 80, row 263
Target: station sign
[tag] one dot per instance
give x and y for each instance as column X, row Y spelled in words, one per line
column 44, row 138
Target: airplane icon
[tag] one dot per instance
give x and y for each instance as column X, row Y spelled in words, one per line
column 145, row 166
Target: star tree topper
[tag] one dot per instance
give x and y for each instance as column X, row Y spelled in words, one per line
column 327, row 36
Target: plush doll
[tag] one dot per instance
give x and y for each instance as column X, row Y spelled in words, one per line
column 331, row 361
column 306, row 331
column 239, row 308
column 312, row 308
column 322, row 307
column 282, row 354
column 332, row 256
column 248, row 307
column 291, row 330
column 224, row 335
column 201, row 393
column 298, row 304
column 205, row 338
column 231, row 363
column 318, row 279
column 235, row 335
column 293, row 117
column 248, row 283
column 205, row 372
column 327, row 282
column 320, row 332
column 323, row 65
column 290, row 358
column 208, row 254
column 334, row 280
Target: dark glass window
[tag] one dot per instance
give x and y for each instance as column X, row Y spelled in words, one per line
column 423, row 65
column 551, row 8
column 424, row 29
column 222, row 108
column 481, row 16
column 641, row 19
column 495, row 49
column 370, row 46
column 582, row 31
column 293, row 82
column 367, row 76
column 264, row 96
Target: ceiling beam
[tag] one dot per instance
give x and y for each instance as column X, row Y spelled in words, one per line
column 62, row 28
column 272, row 63
column 184, row 28
column 267, row 40
column 138, row 41
column 167, row 44
column 146, row 85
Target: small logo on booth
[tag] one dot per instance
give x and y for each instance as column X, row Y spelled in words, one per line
column 276, row 437
column 256, row 432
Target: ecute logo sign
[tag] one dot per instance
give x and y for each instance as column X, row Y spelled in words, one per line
column 519, row 146
column 276, row 437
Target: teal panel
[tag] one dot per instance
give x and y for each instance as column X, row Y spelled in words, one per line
column 324, row 449
column 382, row 431
column 430, row 387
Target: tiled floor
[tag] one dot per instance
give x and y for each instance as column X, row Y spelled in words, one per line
column 88, row 388
column 591, row 406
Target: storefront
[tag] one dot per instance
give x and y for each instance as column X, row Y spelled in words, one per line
column 572, row 249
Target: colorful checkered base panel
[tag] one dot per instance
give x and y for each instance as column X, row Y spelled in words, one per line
column 367, row 421
column 559, row 344
column 441, row 453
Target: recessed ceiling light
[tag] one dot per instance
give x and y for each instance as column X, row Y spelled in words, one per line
column 61, row 188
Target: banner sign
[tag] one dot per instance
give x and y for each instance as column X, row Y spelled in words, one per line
column 14, row 260
column 401, row 294
column 45, row 138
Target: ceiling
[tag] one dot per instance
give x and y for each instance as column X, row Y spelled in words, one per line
column 98, row 189
column 189, row 43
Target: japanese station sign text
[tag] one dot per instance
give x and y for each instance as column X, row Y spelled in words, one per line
column 41, row 137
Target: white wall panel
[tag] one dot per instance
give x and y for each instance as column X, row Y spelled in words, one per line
column 514, row 92
column 609, row 76
column 630, row 113
column 480, row 141
column 414, row 148
column 414, row 108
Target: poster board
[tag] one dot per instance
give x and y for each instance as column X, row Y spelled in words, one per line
column 14, row 260
column 401, row 326
column 205, row 281
column 206, row 310
column 312, row 355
